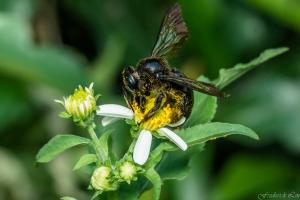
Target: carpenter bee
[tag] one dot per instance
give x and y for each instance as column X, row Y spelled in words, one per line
column 158, row 94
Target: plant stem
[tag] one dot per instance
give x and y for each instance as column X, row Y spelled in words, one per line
column 97, row 146
column 112, row 196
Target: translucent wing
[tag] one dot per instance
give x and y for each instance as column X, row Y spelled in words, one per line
column 173, row 32
column 199, row 86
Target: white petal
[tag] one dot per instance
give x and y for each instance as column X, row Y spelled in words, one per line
column 180, row 122
column 81, row 108
column 142, row 147
column 114, row 110
column 173, row 137
column 108, row 120
column 91, row 86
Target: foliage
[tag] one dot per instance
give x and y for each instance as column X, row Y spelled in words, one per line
column 57, row 145
column 197, row 134
column 49, row 47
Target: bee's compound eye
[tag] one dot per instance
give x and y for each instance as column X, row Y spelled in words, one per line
column 130, row 78
column 132, row 82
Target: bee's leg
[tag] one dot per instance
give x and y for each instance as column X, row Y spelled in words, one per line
column 142, row 102
column 127, row 96
column 157, row 105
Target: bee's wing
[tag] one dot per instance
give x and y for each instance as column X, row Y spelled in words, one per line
column 173, row 32
column 199, row 86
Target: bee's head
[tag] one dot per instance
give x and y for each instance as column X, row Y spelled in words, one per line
column 131, row 79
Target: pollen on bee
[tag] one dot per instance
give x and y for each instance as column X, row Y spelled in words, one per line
column 164, row 116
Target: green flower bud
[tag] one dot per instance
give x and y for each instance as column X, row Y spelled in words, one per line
column 81, row 104
column 128, row 171
column 100, row 178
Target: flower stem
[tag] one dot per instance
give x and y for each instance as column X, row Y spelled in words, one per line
column 112, row 196
column 96, row 144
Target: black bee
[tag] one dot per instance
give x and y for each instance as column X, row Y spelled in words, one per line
column 158, row 94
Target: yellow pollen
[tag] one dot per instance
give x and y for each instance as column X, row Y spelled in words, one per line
column 81, row 103
column 80, row 95
column 164, row 116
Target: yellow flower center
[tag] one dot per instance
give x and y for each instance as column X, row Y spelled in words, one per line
column 81, row 96
column 81, row 103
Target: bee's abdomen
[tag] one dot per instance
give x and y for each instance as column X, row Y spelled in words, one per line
column 188, row 102
column 186, row 95
column 182, row 99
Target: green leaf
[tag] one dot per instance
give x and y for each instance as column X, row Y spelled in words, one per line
column 64, row 115
column 156, row 155
column 204, row 108
column 57, row 145
column 103, row 142
column 200, row 134
column 168, row 166
column 67, row 198
column 96, row 194
column 174, row 165
column 156, row 181
column 132, row 191
column 85, row 160
column 210, row 131
column 229, row 75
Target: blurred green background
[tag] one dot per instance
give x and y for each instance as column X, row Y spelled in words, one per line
column 48, row 47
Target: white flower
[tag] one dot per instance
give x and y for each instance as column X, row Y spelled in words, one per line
column 113, row 112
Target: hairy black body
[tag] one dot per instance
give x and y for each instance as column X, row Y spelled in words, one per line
column 158, row 94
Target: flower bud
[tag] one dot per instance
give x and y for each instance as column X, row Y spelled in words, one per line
column 81, row 103
column 100, row 178
column 127, row 171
